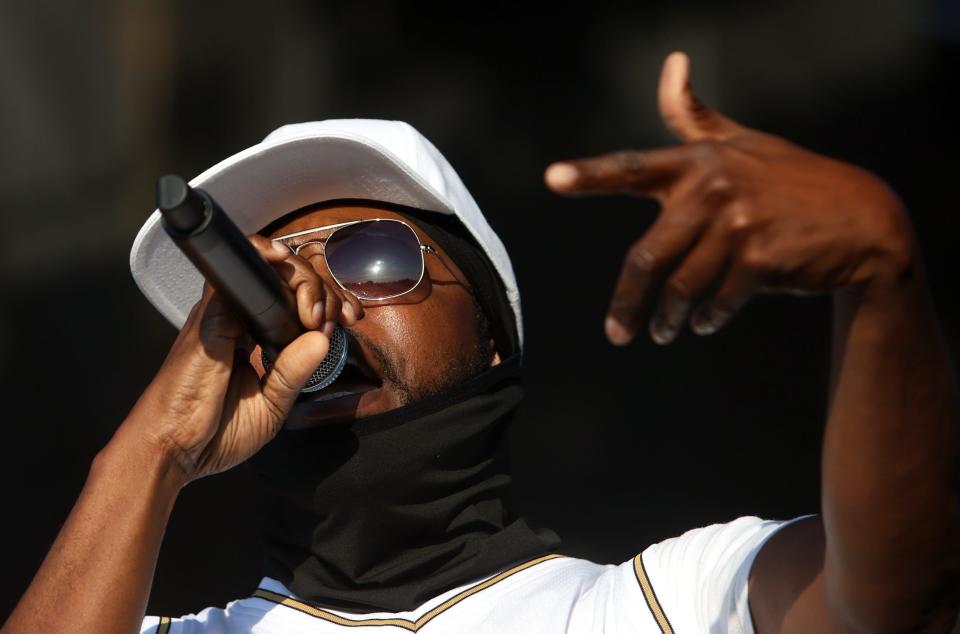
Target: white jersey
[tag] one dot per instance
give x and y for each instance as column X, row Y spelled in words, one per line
column 693, row 583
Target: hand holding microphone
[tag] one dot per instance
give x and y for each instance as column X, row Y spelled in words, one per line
column 228, row 261
column 208, row 409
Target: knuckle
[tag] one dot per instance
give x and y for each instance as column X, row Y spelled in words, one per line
column 707, row 151
column 315, row 260
column 282, row 381
column 718, row 187
column 333, row 304
column 299, row 262
column 739, row 219
column 218, row 325
column 756, row 259
column 629, row 162
column 678, row 288
column 642, row 258
column 306, row 274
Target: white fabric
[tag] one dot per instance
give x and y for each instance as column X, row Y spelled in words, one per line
column 701, row 576
column 305, row 163
column 699, row 580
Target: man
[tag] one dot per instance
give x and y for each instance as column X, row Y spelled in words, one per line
column 390, row 510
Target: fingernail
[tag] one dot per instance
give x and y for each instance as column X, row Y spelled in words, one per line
column 561, row 175
column 317, row 314
column 280, row 248
column 703, row 324
column 661, row 332
column 616, row 333
column 710, row 320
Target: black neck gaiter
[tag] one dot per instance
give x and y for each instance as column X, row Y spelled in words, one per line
column 391, row 510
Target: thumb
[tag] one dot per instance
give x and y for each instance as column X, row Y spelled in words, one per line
column 291, row 370
column 685, row 115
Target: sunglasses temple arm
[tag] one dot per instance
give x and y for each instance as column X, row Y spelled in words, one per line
column 426, row 248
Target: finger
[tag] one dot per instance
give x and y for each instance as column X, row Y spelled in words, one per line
column 644, row 267
column 299, row 275
column 740, row 284
column 698, row 271
column 333, row 304
column 316, row 304
column 290, row 372
column 312, row 294
column 644, row 172
column 352, row 308
column 271, row 250
column 217, row 324
column 201, row 359
column 684, row 113
column 343, row 306
column 209, row 324
column 349, row 309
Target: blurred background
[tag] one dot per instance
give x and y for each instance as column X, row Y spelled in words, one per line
column 614, row 448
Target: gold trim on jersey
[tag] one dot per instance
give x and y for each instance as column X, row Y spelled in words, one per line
column 412, row 626
column 650, row 596
column 163, row 627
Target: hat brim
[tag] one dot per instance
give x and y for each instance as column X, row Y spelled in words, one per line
column 263, row 183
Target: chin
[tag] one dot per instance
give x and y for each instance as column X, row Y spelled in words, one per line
column 341, row 402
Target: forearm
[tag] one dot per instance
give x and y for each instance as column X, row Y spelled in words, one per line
column 98, row 573
column 890, row 497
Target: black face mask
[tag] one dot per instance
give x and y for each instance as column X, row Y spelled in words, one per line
column 389, row 511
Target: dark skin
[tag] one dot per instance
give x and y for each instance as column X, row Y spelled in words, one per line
column 388, row 347
column 210, row 407
column 742, row 212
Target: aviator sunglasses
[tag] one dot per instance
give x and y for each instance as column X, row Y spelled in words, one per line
column 376, row 258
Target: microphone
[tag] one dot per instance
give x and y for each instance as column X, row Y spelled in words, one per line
column 227, row 259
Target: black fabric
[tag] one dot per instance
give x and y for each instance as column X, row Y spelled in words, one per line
column 448, row 232
column 388, row 511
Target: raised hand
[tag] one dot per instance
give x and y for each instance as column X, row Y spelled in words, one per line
column 741, row 212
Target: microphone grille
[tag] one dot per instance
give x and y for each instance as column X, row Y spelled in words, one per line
column 331, row 366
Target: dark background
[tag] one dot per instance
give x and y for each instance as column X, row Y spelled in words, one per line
column 615, row 448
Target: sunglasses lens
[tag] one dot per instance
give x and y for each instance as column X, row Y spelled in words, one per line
column 375, row 260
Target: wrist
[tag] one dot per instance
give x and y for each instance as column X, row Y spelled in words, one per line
column 143, row 456
column 898, row 280
column 895, row 264
column 895, row 304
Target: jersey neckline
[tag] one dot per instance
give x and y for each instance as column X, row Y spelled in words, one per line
column 275, row 592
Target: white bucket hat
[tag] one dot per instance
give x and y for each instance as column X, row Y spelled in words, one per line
column 306, row 163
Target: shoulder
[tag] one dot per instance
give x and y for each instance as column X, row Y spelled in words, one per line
column 699, row 580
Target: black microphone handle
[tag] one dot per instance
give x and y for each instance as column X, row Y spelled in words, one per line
column 227, row 259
